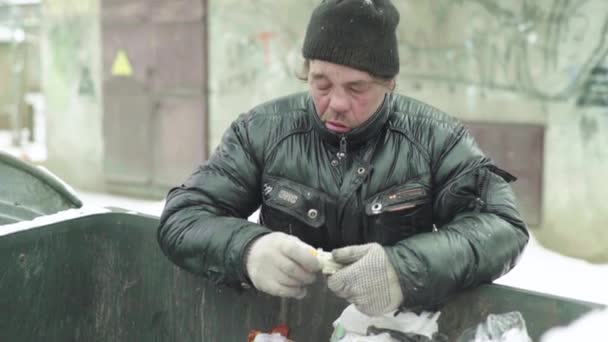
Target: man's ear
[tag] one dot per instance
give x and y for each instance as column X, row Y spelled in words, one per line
column 393, row 85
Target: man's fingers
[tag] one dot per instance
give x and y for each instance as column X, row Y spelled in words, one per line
column 348, row 255
column 288, row 291
column 367, row 310
column 287, row 280
column 339, row 285
column 294, row 271
column 273, row 270
column 302, row 294
column 302, row 254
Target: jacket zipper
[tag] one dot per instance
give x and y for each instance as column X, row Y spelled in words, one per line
column 406, row 193
column 403, row 206
column 479, row 203
column 342, row 152
column 342, row 158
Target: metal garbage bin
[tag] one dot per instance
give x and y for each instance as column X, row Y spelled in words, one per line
column 99, row 275
column 102, row 277
column 28, row 191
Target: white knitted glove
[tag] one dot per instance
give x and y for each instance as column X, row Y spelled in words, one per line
column 281, row 265
column 369, row 281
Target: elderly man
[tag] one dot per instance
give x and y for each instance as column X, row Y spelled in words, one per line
column 397, row 190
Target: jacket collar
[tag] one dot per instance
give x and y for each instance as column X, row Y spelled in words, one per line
column 359, row 135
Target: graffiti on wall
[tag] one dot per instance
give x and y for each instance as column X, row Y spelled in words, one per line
column 70, row 58
column 595, row 89
column 263, row 47
column 544, row 48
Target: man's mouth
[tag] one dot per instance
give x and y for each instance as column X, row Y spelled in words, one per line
column 336, row 127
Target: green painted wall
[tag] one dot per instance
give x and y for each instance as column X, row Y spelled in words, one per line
column 517, row 61
column 71, row 50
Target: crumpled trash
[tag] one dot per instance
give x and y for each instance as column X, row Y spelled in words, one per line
column 271, row 338
column 280, row 333
column 508, row 327
column 355, row 326
column 348, row 337
column 586, row 328
column 401, row 336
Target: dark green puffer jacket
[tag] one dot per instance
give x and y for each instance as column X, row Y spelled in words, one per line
column 411, row 179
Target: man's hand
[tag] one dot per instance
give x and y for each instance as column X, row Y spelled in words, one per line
column 281, row 265
column 369, row 281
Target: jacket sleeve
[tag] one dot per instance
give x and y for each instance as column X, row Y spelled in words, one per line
column 480, row 233
column 204, row 227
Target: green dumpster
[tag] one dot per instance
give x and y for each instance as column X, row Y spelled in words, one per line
column 27, row 191
column 99, row 275
column 102, row 277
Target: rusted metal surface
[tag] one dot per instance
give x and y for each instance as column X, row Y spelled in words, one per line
column 163, row 101
column 129, row 133
column 103, row 278
column 519, row 149
column 175, row 158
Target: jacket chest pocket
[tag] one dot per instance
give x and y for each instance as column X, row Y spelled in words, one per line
column 399, row 212
column 293, row 208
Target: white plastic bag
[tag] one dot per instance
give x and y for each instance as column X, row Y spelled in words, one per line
column 271, row 338
column 508, row 327
column 352, row 325
column 358, row 338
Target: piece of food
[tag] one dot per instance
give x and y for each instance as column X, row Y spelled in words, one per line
column 328, row 265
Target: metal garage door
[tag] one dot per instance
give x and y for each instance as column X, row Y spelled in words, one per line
column 155, row 85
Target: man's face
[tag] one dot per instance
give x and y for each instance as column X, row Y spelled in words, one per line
column 344, row 97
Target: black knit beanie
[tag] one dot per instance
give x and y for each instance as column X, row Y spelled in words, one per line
column 357, row 33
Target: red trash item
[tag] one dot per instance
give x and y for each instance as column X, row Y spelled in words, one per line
column 281, row 329
column 252, row 334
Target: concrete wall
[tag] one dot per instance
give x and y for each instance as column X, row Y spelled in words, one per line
column 26, row 54
column 490, row 60
column 254, row 52
column 6, row 74
column 71, row 50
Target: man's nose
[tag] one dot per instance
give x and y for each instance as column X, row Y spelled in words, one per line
column 339, row 103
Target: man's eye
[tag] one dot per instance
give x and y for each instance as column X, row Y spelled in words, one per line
column 358, row 89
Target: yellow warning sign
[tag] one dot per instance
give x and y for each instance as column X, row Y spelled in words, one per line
column 122, row 66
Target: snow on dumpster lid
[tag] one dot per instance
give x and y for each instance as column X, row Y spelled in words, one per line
column 45, row 220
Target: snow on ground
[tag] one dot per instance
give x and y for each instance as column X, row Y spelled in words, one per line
column 539, row 269
column 543, row 270
column 105, row 200
column 29, row 151
column 589, row 327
